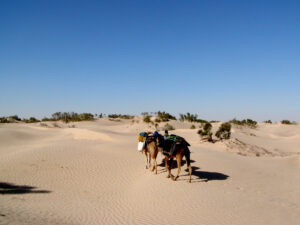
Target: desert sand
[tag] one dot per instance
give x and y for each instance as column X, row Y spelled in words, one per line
column 92, row 173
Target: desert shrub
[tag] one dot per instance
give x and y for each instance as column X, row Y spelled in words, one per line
column 168, row 127
column 268, row 121
column 224, row 131
column 205, row 131
column 193, row 127
column 214, row 121
column 157, row 120
column 247, row 122
column 145, row 114
column 114, row 116
column 191, row 118
column 15, row 117
column 4, row 120
column 71, row 116
column 31, row 120
column 164, row 116
column 147, row 119
column 287, row 122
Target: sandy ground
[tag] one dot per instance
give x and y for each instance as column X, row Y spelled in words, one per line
column 92, row 174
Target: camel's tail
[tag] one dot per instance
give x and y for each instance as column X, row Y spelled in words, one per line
column 187, row 155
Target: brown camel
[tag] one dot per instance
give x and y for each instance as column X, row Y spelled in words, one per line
column 151, row 151
column 180, row 151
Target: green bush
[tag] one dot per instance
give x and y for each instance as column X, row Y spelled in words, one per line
column 3, row 120
column 205, row 131
column 287, row 122
column 191, row 118
column 268, row 121
column 157, row 120
column 224, row 131
column 193, row 127
column 114, row 116
column 164, row 116
column 147, row 119
column 15, row 117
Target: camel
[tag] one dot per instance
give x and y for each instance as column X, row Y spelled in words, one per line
column 180, row 151
column 151, row 151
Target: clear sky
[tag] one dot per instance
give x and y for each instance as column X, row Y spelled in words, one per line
column 219, row 59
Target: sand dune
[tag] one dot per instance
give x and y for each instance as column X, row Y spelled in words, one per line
column 93, row 174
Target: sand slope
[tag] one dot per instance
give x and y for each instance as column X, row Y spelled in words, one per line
column 92, row 174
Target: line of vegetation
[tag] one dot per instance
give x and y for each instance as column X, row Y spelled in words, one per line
column 247, row 122
column 114, row 116
column 191, row 118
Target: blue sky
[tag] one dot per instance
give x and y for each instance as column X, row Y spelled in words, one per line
column 219, row 59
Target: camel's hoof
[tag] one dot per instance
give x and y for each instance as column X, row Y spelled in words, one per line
column 174, row 178
column 168, row 176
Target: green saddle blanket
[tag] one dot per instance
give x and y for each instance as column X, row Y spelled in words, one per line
column 177, row 139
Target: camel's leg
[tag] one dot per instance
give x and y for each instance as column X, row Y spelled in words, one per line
column 188, row 162
column 178, row 158
column 146, row 160
column 149, row 158
column 171, row 162
column 168, row 164
column 155, row 166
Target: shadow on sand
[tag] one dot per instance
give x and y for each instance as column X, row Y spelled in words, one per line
column 9, row 188
column 201, row 176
